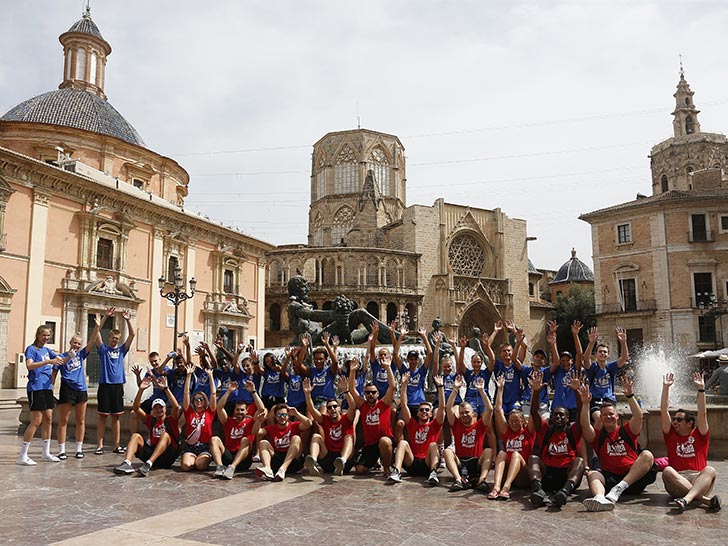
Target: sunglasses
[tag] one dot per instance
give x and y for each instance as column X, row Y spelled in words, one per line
column 197, row 399
column 334, row 406
column 371, row 392
column 281, row 415
column 679, row 419
column 423, row 409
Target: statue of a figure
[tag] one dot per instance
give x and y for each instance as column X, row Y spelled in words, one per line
column 445, row 345
column 223, row 334
column 343, row 319
column 475, row 344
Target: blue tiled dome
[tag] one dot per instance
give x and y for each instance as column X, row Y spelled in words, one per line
column 75, row 108
column 573, row 271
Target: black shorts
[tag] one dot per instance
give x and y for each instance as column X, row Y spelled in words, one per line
column 110, row 399
column 280, row 456
column 228, row 456
column 471, row 467
column 165, row 460
column 610, row 480
column 69, row 395
column 418, row 468
column 197, row 449
column 369, row 456
column 41, row 400
column 554, row 478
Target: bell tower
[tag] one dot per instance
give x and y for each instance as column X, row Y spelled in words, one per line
column 686, row 115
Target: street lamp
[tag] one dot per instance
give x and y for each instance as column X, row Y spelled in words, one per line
column 712, row 309
column 176, row 295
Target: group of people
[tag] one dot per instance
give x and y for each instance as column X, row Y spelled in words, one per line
column 320, row 413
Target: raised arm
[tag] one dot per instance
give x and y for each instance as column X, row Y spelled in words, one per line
column 325, row 339
column 136, row 407
column 554, row 358
column 587, row 429
column 403, row 380
column 593, row 337
column 535, row 381
column 396, row 343
column 389, row 395
column 220, row 345
column 305, row 421
column 488, row 413
column 519, row 353
column 450, row 408
column 99, row 325
column 190, row 367
column 136, row 369
column 428, row 350
column 130, row 329
column 635, row 423
column 163, row 385
column 500, row 417
column 213, row 388
column 702, row 417
column 488, row 344
column 353, row 367
column 576, row 327
column 260, row 416
column 622, row 338
column 222, row 415
column 460, row 361
column 668, row 380
column 299, row 364
column 312, row 410
column 91, row 342
column 440, row 411
column 373, row 342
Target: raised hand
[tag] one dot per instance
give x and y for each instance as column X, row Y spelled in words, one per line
column 535, row 381
column 404, row 379
column 306, row 340
column 593, row 334
column 110, row 311
column 699, row 380
column 668, row 380
column 190, row 367
column 247, row 385
column 574, row 380
column 438, row 381
column 520, row 335
column 458, row 382
column 145, row 382
column 584, row 394
column 576, row 327
column 126, row 314
column 261, row 414
column 627, row 385
column 479, row 384
column 375, row 329
column 621, row 334
column 500, row 381
column 136, row 369
column 421, row 332
column 510, row 325
column 498, row 326
column 354, row 365
column 463, row 342
column 342, row 383
column 307, row 387
column 325, row 337
column 553, row 326
column 233, row 385
column 160, row 382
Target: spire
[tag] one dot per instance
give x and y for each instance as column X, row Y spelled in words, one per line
column 686, row 115
column 85, row 52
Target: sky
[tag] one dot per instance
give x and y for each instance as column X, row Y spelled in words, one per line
column 544, row 109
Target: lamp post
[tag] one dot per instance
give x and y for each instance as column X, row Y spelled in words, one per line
column 712, row 309
column 176, row 295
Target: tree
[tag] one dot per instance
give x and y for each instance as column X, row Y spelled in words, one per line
column 578, row 305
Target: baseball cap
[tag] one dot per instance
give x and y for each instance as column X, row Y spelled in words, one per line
column 539, row 352
column 413, row 353
column 566, row 353
column 159, row 402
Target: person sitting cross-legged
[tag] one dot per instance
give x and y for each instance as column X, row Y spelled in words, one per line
column 160, row 450
column 337, row 443
column 419, row 454
column 234, row 451
column 689, row 477
column 625, row 469
column 280, row 443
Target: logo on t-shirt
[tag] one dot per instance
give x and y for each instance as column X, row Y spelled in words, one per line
column 559, row 448
column 617, row 449
column 515, row 444
column 158, row 430
column 686, row 449
column 282, row 442
column 237, row 432
column 336, row 432
column 421, row 435
column 73, row 364
column 603, row 381
column 373, row 417
column 468, row 439
column 319, row 380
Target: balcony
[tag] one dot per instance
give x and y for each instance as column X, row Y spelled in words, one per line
column 348, row 290
column 629, row 307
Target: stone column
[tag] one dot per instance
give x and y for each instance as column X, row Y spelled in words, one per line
column 36, row 263
column 155, row 305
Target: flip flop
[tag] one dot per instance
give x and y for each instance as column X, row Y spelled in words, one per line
column 493, row 495
column 99, row 451
column 504, row 495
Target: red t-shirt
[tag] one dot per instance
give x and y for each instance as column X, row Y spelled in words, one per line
column 558, row 453
column 158, row 428
column 334, row 432
column 616, row 455
column 421, row 436
column 375, row 421
column 201, row 422
column 520, row 441
column 687, row 452
column 235, row 431
column 469, row 440
column 280, row 438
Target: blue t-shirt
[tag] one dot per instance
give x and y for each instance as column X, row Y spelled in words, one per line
column 176, row 381
column 601, row 381
column 72, row 372
column 224, row 378
column 379, row 377
column 360, row 379
column 272, row 383
column 416, row 385
column 39, row 379
column 202, row 382
column 156, row 392
column 296, row 396
column 512, row 388
column 564, row 396
column 448, row 382
column 543, row 395
column 242, row 394
column 322, row 382
column 471, row 395
column 112, row 364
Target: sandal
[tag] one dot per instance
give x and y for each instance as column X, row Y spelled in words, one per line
column 504, row 495
column 119, row 450
column 62, row 456
column 79, row 455
column 493, row 495
column 99, row 451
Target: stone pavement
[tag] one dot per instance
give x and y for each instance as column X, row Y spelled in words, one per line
column 79, row 502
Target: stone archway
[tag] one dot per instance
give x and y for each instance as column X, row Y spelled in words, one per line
column 478, row 314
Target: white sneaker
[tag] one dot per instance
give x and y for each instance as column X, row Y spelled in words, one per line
column 598, row 503
column 280, row 475
column 50, row 457
column 25, row 461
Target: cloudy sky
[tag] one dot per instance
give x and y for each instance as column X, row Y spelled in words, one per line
column 546, row 109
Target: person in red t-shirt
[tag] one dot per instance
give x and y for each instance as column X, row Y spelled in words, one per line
column 337, row 443
column 160, row 449
column 689, row 477
column 624, row 468
column 554, row 464
column 419, row 454
column 280, row 443
column 469, row 463
column 235, row 451
column 518, row 437
column 198, row 423
column 375, row 417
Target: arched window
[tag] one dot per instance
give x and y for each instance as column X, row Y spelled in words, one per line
column 172, row 265
column 105, row 253
column 321, row 177
column 689, row 125
column 391, row 312
column 92, row 68
column 318, row 230
column 275, row 317
column 346, row 179
column 466, row 255
column 379, row 163
column 343, row 222
column 411, row 309
column 373, row 308
column 663, row 183
column 80, row 64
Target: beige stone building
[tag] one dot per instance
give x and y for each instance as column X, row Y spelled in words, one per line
column 90, row 217
column 468, row 266
column 661, row 261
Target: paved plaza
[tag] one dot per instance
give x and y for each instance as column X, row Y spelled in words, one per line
column 78, row 502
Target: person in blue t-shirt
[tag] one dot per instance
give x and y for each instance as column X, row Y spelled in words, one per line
column 73, row 394
column 275, row 375
column 508, row 365
column 418, row 371
column 39, row 360
column 112, row 378
column 295, row 397
column 600, row 373
column 562, row 366
column 376, row 359
column 322, row 376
